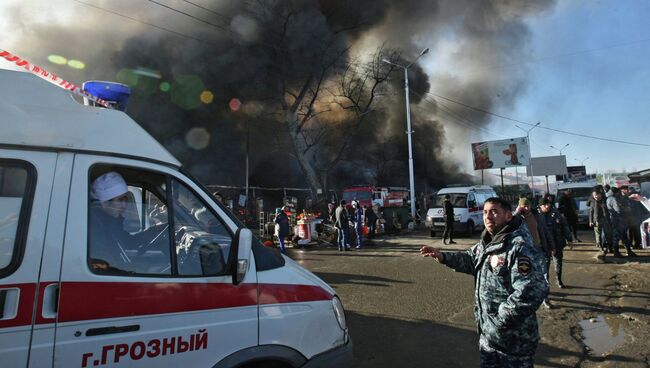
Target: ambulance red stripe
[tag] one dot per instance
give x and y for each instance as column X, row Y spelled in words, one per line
column 86, row 301
column 25, row 306
column 81, row 301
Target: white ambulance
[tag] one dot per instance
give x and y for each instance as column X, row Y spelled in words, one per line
column 196, row 290
column 468, row 203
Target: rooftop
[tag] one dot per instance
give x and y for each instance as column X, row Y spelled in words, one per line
column 39, row 114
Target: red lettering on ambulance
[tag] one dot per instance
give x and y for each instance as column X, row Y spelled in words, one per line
column 154, row 345
column 120, row 351
column 84, row 359
column 7, row 55
column 168, row 345
column 181, row 345
column 142, row 349
column 201, row 340
column 105, row 350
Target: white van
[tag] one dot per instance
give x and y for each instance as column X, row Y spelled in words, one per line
column 201, row 291
column 581, row 192
column 468, row 203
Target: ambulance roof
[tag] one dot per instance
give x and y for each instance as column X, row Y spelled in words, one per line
column 37, row 113
column 460, row 188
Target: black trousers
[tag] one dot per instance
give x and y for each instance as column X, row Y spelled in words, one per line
column 449, row 230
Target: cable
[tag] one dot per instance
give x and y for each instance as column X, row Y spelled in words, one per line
column 143, row 22
column 188, row 15
column 573, row 53
column 540, row 127
column 228, row 19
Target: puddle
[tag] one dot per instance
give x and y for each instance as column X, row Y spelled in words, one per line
column 602, row 335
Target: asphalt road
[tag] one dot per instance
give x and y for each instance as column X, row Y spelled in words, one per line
column 404, row 310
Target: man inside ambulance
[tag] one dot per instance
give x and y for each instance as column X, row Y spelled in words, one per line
column 109, row 242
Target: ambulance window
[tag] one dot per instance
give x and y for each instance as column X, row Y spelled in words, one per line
column 202, row 241
column 128, row 231
column 17, row 182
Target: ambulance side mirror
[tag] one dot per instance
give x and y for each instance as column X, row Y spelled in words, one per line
column 243, row 247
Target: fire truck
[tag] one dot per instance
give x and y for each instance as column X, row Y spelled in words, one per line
column 392, row 203
column 368, row 195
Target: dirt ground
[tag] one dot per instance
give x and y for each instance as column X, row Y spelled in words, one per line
column 618, row 290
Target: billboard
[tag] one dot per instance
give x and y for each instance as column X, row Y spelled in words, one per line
column 544, row 166
column 501, row 154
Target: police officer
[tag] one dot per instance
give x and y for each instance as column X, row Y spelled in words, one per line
column 357, row 218
column 282, row 221
column 509, row 286
column 560, row 233
column 618, row 212
column 449, row 221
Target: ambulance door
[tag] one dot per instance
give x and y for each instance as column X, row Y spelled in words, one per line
column 25, row 188
column 146, row 277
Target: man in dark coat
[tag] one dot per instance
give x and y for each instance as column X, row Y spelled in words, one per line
column 508, row 270
column 449, row 221
column 567, row 206
column 560, row 233
column 599, row 220
column 342, row 224
column 371, row 221
column 618, row 212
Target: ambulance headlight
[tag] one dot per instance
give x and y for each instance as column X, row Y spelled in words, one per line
column 339, row 312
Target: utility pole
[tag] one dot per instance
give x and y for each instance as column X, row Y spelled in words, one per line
column 530, row 156
column 409, row 131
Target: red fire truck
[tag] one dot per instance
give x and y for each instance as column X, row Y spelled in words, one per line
column 368, row 195
column 390, row 202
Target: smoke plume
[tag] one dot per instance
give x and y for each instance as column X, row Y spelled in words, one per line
column 233, row 54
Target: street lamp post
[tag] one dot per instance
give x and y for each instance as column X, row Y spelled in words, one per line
column 582, row 163
column 560, row 149
column 530, row 157
column 409, row 131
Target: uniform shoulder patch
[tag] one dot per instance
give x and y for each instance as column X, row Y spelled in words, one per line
column 517, row 240
column 524, row 265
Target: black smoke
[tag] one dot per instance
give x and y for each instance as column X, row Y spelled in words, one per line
column 264, row 43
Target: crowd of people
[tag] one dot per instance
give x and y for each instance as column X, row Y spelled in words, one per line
column 361, row 216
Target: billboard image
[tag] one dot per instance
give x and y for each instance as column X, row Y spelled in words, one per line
column 500, row 154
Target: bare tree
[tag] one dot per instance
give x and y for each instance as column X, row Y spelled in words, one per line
column 323, row 97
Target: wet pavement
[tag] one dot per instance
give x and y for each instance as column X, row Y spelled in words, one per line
column 408, row 311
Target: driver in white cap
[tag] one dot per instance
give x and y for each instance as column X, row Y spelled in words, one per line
column 108, row 240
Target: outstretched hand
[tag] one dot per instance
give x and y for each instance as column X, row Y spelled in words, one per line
column 428, row 251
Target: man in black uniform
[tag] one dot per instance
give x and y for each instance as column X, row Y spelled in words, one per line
column 449, row 221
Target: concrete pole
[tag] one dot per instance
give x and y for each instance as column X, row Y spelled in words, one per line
column 409, row 131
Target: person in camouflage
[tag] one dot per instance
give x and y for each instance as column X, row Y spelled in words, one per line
column 509, row 286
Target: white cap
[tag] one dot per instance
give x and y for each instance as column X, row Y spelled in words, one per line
column 108, row 186
column 354, row 203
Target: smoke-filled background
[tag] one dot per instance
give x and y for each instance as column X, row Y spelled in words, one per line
column 212, row 80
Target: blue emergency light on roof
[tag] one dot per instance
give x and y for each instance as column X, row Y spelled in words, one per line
column 117, row 94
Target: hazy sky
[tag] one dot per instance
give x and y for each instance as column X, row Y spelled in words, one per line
column 586, row 64
column 589, row 74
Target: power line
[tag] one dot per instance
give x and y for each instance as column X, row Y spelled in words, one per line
column 188, row 15
column 540, row 127
column 143, row 22
column 573, row 53
column 449, row 111
column 209, row 10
